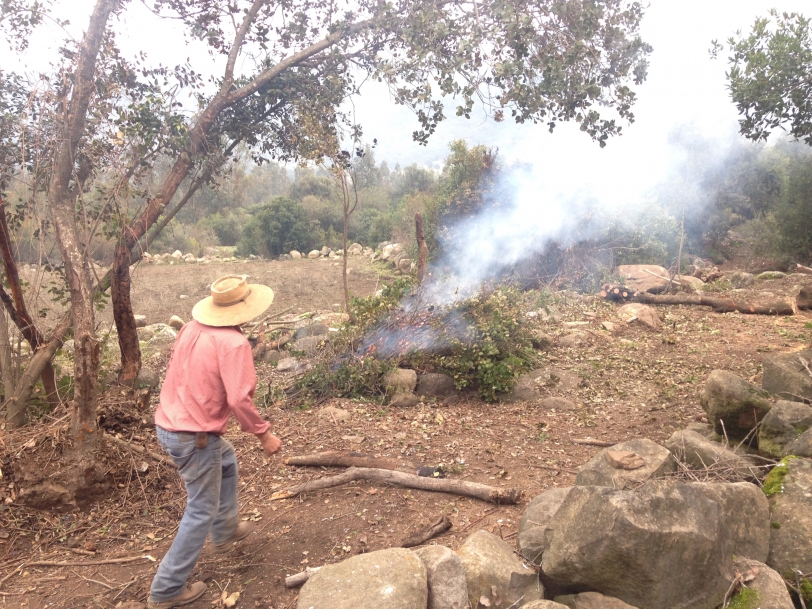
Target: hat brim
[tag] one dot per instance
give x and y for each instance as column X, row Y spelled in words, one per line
column 256, row 303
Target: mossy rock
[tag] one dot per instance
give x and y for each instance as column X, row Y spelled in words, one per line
column 770, row 275
column 774, row 482
column 745, row 599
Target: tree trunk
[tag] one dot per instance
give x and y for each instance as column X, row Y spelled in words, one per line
column 8, row 372
column 62, row 202
column 124, row 317
column 422, row 248
column 346, row 194
column 21, row 316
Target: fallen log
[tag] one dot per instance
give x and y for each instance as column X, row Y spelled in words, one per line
column 336, row 458
column 422, row 535
column 718, row 304
column 589, row 442
column 441, row 485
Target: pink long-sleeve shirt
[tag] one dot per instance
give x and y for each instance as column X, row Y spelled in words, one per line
column 210, row 376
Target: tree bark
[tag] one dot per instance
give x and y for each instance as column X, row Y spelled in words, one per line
column 336, row 458
column 62, row 202
column 346, row 195
column 8, row 373
column 20, row 315
column 422, row 248
column 124, row 317
column 442, row 485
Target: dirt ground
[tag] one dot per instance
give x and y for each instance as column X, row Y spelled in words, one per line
column 630, row 383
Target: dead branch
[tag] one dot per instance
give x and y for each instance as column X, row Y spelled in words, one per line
column 441, row 485
column 425, row 533
column 805, row 364
column 335, row 458
column 294, row 581
column 587, row 442
column 719, row 305
column 139, row 449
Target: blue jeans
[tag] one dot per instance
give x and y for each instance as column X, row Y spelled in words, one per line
column 210, row 477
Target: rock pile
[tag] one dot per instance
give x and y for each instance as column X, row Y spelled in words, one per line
column 632, row 533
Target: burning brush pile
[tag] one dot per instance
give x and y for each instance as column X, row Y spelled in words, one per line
column 482, row 341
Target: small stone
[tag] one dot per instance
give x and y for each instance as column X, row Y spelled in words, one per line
column 331, row 413
column 177, row 254
column 634, row 311
column 176, row 323
column 140, row 321
column 404, row 400
column 183, row 297
column 608, row 326
column 314, row 254
column 295, row 255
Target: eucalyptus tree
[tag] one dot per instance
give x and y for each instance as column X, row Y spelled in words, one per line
column 288, row 67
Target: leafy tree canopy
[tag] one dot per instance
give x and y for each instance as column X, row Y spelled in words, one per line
column 770, row 76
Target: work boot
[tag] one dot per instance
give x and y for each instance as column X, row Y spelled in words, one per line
column 189, row 595
column 243, row 530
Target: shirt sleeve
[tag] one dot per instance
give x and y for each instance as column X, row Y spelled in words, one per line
column 240, row 382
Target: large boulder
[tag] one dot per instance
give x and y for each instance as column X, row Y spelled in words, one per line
column 785, row 376
column 592, row 600
column 543, row 605
column 400, row 380
column 801, row 446
column 665, row 545
column 636, row 312
column 789, row 488
column 295, row 255
column 448, row 588
column 733, row 405
column 386, row 579
column 698, row 452
column 627, row 465
column 644, row 277
column 533, row 526
column 436, row 385
column 492, row 571
column 782, row 426
column 767, row 589
column 313, row 254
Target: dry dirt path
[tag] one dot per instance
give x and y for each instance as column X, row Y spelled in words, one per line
column 632, row 383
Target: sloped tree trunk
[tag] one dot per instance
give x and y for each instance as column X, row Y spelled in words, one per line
column 124, row 317
column 422, row 248
column 62, row 203
column 23, row 319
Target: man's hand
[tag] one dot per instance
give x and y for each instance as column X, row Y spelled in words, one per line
column 270, row 443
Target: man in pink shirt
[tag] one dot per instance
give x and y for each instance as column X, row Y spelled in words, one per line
column 210, row 377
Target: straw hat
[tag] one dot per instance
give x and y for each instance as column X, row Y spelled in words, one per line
column 233, row 301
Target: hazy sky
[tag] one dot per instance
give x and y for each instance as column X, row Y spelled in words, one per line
column 684, row 86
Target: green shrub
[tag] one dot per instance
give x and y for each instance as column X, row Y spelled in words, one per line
column 276, row 228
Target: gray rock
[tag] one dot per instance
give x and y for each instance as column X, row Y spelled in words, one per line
column 636, row 312
column 404, row 400
column 782, row 425
column 624, row 543
column 436, row 385
column 544, row 605
column 733, row 405
column 533, row 526
column 644, row 277
column 288, row 364
column 386, row 579
column 400, row 380
column 801, row 446
column 176, row 323
column 140, row 321
column 692, row 283
column 558, row 404
column 785, row 376
column 309, row 345
column 592, row 600
column 315, row 329
column 790, row 487
column 404, row 265
column 768, row 585
column 147, row 379
column 601, row 471
column 145, row 334
column 741, row 280
column 531, row 385
column 493, row 571
column 574, row 339
column 334, row 414
column 446, row 577
column 272, row 356
column 698, row 452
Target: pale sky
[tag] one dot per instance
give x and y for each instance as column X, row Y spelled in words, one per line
column 684, row 87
